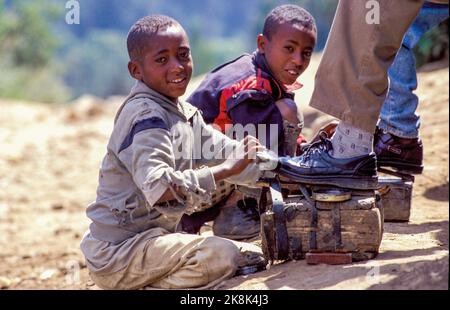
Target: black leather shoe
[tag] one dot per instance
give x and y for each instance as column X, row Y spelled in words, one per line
column 192, row 224
column 404, row 155
column 238, row 221
column 317, row 166
column 250, row 262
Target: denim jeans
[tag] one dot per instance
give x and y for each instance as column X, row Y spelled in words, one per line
column 398, row 114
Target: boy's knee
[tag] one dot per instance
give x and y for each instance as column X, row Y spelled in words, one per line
column 112, row 281
column 223, row 255
column 226, row 256
column 226, row 248
column 289, row 110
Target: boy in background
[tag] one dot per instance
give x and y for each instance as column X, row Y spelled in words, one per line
column 257, row 90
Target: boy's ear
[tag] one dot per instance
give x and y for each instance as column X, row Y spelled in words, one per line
column 135, row 70
column 261, row 43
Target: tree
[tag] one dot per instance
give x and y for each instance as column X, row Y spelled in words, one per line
column 434, row 45
column 27, row 52
column 26, row 37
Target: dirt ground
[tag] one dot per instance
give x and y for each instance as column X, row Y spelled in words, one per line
column 49, row 160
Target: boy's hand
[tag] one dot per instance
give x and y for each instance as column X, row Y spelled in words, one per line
column 243, row 155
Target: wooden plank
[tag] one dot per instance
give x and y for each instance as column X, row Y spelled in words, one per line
column 396, row 197
column 328, row 258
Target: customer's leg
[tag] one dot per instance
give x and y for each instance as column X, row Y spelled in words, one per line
column 397, row 143
column 398, row 115
column 352, row 82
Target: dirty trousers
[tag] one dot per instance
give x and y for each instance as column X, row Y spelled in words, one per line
column 352, row 80
column 174, row 261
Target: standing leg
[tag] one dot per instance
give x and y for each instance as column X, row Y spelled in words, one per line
column 397, row 143
column 352, row 80
column 351, row 84
column 398, row 115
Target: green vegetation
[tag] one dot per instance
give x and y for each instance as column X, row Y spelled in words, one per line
column 433, row 46
column 27, row 49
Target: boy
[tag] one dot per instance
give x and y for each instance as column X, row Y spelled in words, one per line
column 257, row 89
column 147, row 182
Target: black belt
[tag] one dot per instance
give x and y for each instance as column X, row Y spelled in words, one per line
column 282, row 242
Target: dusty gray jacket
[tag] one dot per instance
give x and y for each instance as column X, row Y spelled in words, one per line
column 155, row 146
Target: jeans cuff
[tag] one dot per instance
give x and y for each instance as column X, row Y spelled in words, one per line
column 394, row 131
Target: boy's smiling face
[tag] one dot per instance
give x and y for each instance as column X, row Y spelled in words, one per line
column 288, row 52
column 166, row 63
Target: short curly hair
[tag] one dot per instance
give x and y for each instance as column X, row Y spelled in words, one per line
column 288, row 13
column 143, row 30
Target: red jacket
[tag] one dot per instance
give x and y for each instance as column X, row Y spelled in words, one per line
column 242, row 91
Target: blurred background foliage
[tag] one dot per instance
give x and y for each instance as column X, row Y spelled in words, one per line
column 433, row 46
column 28, row 46
column 42, row 58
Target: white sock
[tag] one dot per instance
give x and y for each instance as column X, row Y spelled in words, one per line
column 349, row 141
